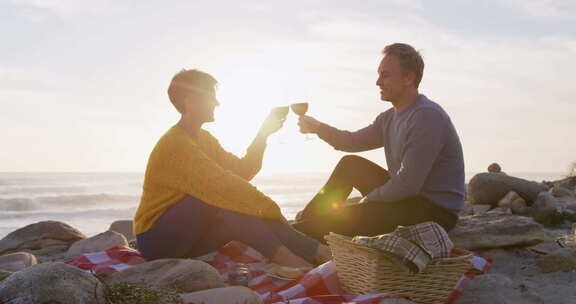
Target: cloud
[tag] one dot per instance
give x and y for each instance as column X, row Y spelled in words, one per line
column 67, row 7
column 508, row 94
column 503, row 92
column 29, row 79
column 548, row 9
column 495, row 62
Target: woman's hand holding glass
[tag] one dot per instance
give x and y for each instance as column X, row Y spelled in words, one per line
column 274, row 121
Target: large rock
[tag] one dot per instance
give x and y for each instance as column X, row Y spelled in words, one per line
column 229, row 295
column 124, row 227
column 546, row 247
column 4, row 274
column 500, row 210
column 40, row 235
column 99, row 242
column 559, row 191
column 494, row 168
column 17, row 261
column 546, row 210
column 243, row 295
column 468, row 209
column 568, row 183
column 489, row 188
column 519, row 206
column 183, row 275
column 395, row 301
column 563, row 259
column 511, row 199
column 495, row 230
column 479, row 209
column 498, row 289
column 567, row 202
column 46, row 248
column 51, row 283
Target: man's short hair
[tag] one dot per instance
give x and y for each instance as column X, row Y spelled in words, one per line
column 189, row 80
column 410, row 59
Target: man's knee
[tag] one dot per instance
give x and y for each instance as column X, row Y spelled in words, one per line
column 349, row 166
column 350, row 160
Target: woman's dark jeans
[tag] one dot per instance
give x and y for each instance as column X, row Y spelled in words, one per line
column 192, row 228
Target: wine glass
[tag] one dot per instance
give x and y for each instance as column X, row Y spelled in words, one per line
column 300, row 109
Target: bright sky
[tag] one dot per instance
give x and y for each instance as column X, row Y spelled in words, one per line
column 82, row 83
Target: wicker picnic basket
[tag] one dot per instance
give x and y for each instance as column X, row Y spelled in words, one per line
column 363, row 270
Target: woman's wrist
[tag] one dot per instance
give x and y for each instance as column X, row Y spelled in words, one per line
column 262, row 136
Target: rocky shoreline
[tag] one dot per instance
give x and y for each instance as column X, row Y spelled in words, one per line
column 524, row 226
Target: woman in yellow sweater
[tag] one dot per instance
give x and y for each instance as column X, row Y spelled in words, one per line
column 197, row 197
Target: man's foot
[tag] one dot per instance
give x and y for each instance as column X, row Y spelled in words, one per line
column 285, row 257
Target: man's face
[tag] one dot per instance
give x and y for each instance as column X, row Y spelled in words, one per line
column 201, row 104
column 393, row 80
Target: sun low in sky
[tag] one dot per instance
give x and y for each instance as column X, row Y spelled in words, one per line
column 83, row 83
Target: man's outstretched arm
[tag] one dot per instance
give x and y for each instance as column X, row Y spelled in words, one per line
column 365, row 139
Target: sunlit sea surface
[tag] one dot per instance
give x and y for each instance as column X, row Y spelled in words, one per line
column 92, row 201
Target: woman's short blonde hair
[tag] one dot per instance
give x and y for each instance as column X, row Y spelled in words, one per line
column 189, row 80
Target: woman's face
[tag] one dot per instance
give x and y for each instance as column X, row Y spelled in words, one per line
column 200, row 104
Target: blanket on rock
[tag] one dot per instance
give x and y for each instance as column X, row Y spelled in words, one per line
column 318, row 286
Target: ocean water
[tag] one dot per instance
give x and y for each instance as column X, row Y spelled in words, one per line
column 90, row 202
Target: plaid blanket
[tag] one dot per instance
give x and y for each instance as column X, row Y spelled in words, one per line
column 411, row 247
column 431, row 236
column 407, row 255
column 319, row 286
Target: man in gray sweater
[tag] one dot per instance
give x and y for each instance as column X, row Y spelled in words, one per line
column 425, row 176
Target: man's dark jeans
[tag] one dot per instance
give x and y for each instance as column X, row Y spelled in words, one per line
column 326, row 212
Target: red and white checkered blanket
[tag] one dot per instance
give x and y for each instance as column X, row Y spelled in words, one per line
column 319, row 286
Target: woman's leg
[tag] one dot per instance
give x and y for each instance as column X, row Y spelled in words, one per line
column 278, row 242
column 351, row 172
column 297, row 242
column 193, row 228
column 183, row 226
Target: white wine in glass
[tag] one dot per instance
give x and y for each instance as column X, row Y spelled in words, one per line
column 299, row 108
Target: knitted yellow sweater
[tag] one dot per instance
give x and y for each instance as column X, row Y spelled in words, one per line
column 181, row 165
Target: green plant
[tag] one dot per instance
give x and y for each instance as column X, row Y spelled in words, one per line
column 126, row 293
